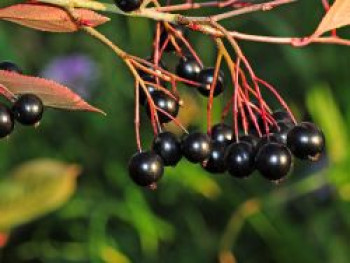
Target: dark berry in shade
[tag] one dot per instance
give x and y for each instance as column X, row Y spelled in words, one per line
column 165, row 34
column 10, row 66
column 206, row 78
column 6, row 121
column 168, row 147
column 196, row 147
column 146, row 75
column 28, row 109
column 240, row 159
column 150, row 88
column 221, row 133
column 273, row 161
column 265, row 139
column 251, row 139
column 165, row 103
column 188, row 68
column 146, row 168
column 128, row 5
column 281, row 131
column 216, row 161
column 306, row 141
column 282, row 116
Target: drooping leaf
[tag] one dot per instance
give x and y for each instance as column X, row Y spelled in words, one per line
column 50, row 18
column 337, row 16
column 52, row 93
column 34, row 189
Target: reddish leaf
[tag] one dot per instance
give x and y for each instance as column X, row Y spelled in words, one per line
column 52, row 94
column 337, row 16
column 50, row 18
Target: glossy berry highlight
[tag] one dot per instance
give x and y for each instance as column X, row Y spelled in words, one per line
column 240, row 159
column 206, row 78
column 168, row 147
column 188, row 68
column 221, row 133
column 306, row 141
column 6, row 121
column 216, row 161
column 165, row 103
column 145, row 168
column 196, row 147
column 273, row 161
column 28, row 109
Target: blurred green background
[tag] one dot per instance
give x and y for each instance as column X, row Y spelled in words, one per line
column 193, row 216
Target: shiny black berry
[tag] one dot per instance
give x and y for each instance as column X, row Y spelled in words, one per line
column 206, row 78
column 196, row 147
column 168, row 147
column 6, row 121
column 145, row 168
column 10, row 66
column 273, row 161
column 240, row 159
column 216, row 161
column 128, row 5
column 188, row 68
column 166, row 104
column 266, row 139
column 221, row 133
column 165, row 34
column 306, row 141
column 151, row 87
column 28, row 109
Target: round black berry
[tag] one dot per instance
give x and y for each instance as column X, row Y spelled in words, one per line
column 146, row 168
column 10, row 66
column 266, row 139
column 196, row 147
column 165, row 34
column 28, row 109
column 240, row 159
column 6, row 121
column 221, row 133
column 216, row 161
column 168, row 147
column 306, row 141
column 206, row 78
column 151, row 87
column 128, row 5
column 188, row 68
column 166, row 104
column 273, row 161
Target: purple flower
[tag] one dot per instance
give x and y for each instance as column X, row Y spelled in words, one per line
column 77, row 71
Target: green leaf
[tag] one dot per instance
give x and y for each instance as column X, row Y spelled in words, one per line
column 34, row 189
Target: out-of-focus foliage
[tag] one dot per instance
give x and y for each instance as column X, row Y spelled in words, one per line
column 194, row 216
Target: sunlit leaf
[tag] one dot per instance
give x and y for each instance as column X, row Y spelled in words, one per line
column 50, row 18
column 338, row 16
column 52, row 93
column 34, row 189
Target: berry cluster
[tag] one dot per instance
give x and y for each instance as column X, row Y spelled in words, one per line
column 27, row 109
column 271, row 155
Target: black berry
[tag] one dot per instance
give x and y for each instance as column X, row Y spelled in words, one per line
column 128, row 5
column 10, row 66
column 240, row 159
column 151, row 87
column 281, row 115
column 188, row 68
column 281, row 131
column 273, row 161
column 206, row 78
column 221, row 133
column 168, row 147
column 216, row 161
column 145, row 168
column 251, row 139
column 196, row 147
column 6, row 121
column 28, row 109
column 306, row 141
column 166, row 104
